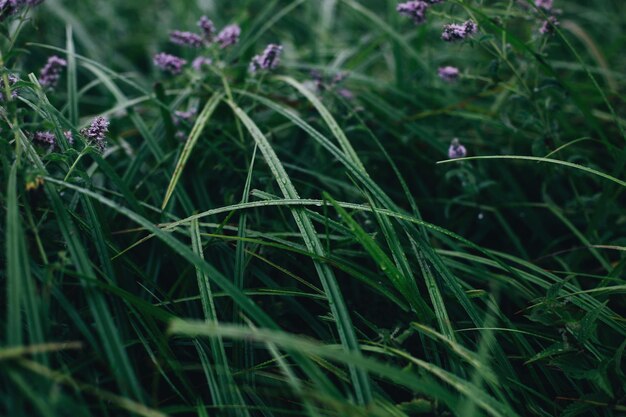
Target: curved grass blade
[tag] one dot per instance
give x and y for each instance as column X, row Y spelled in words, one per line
column 338, row 308
column 201, row 122
column 110, row 338
column 372, row 17
column 404, row 378
column 15, row 274
column 20, row 283
column 72, row 93
column 221, row 368
column 105, row 396
column 380, row 195
column 243, row 354
column 540, row 159
column 344, row 143
column 245, row 303
column 386, row 265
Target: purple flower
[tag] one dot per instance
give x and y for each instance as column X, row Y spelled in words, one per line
column 345, row 93
column 96, row 133
column 544, row 4
column 268, row 60
column 448, row 73
column 184, row 116
column 186, row 38
column 228, row 36
column 51, row 72
column 323, row 82
column 69, row 136
column 470, row 27
column 11, row 7
column 12, row 80
column 8, row 8
column 548, row 26
column 455, row 32
column 318, row 80
column 45, row 138
column 169, row 62
column 339, row 77
column 456, row 150
column 200, row 62
column 208, row 28
column 415, row 9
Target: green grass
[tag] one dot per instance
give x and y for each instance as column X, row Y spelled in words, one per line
column 293, row 250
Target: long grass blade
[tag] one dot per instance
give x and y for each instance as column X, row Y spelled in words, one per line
column 337, row 304
column 197, row 130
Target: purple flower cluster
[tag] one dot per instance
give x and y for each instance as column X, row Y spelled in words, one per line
column 228, row 36
column 183, row 120
column 449, row 74
column 192, row 39
column 415, row 9
column 8, row 7
column 548, row 26
column 96, row 133
column 51, row 72
column 456, row 32
column 69, row 136
column 207, row 27
column 184, row 116
column 268, row 60
column 323, row 83
column 45, row 138
column 544, row 4
column 12, row 80
column 186, row 39
column 169, row 62
column 456, row 150
column 11, row 7
column 200, row 62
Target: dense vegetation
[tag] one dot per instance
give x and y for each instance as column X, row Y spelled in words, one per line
column 397, row 208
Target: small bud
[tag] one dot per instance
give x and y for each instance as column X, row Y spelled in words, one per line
column 169, row 62
column 268, row 60
column 228, row 36
column 456, row 150
column 51, row 72
column 449, row 74
column 415, row 9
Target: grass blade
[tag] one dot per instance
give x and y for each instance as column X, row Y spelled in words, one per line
column 197, row 130
column 337, row 304
column 540, row 159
